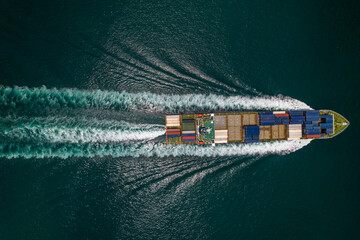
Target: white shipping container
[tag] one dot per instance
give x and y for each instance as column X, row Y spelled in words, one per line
column 298, row 130
column 221, row 137
column 294, row 126
column 172, row 120
column 221, row 134
column 188, row 132
column 173, row 125
column 220, row 131
column 293, row 138
column 172, row 116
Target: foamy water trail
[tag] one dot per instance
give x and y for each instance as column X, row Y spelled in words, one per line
column 72, row 98
column 149, row 149
column 75, row 130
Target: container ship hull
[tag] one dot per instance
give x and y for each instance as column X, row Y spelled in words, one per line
column 251, row 127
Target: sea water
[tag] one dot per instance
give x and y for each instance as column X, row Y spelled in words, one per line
column 84, row 88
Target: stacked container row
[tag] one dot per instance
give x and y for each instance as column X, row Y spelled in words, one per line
column 266, row 118
column 252, row 134
column 282, row 119
column 171, row 133
column 311, row 127
column 221, row 136
column 294, row 131
column 312, row 115
column 296, row 117
column 188, row 133
column 327, row 124
column 172, row 121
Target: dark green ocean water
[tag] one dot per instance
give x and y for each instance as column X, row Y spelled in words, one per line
column 84, row 86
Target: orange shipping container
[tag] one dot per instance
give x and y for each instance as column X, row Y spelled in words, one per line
column 188, row 137
column 313, row 136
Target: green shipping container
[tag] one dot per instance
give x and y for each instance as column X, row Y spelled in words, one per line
column 188, row 126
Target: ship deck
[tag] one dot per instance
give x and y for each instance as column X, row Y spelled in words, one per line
column 248, row 127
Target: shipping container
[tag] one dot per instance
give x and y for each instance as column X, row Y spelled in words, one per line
column 267, row 121
column 324, row 125
column 188, row 140
column 313, row 136
column 311, row 132
column 312, row 118
column 312, row 112
column 296, row 122
column 267, row 124
column 188, row 132
column 172, row 117
column 188, row 137
column 173, row 136
column 296, row 112
column 282, row 115
column 188, row 120
column 252, row 129
column 173, row 130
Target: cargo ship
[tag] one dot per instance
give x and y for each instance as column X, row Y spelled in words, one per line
column 251, row 127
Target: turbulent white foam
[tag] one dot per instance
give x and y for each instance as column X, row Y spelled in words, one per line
column 262, row 148
column 77, row 130
column 145, row 101
column 149, row 149
column 75, row 135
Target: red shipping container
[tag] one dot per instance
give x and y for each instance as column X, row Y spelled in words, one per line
column 313, row 136
column 201, row 142
column 282, row 115
column 172, row 130
column 173, row 133
column 193, row 137
column 199, row 115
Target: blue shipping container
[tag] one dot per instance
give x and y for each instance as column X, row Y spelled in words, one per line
column 296, row 112
column 298, row 118
column 188, row 140
column 252, row 128
column 312, row 112
column 188, row 120
column 267, row 120
column 189, row 135
column 172, row 136
column 267, row 124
